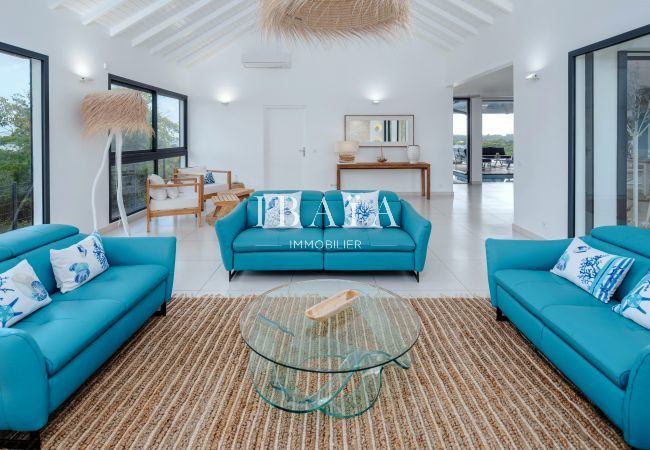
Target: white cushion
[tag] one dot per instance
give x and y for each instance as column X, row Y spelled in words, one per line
column 172, row 192
column 158, row 194
column 636, row 304
column 282, row 210
column 79, row 263
column 184, row 200
column 596, row 272
column 196, row 170
column 212, row 188
column 21, row 293
column 361, row 209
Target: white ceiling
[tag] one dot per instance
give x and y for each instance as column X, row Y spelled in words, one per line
column 498, row 83
column 191, row 31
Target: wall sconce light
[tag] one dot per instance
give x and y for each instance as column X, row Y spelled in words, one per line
column 532, row 77
column 85, row 79
column 224, row 102
column 375, row 101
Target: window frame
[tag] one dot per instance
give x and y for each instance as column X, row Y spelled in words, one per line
column 45, row 121
column 469, row 134
column 573, row 56
column 154, row 154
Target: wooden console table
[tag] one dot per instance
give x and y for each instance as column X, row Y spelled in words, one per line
column 424, row 168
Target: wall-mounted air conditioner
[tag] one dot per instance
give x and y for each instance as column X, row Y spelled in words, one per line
column 266, row 60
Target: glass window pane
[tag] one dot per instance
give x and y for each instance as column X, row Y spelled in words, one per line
column 16, row 180
column 169, row 122
column 461, row 140
column 166, row 166
column 138, row 141
column 134, row 178
column 498, row 140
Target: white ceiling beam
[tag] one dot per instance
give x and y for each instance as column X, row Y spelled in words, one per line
column 435, row 40
column 137, row 17
column 503, row 5
column 53, row 4
column 151, row 32
column 248, row 12
column 99, row 10
column 439, row 12
column 424, row 20
column 188, row 30
column 221, row 43
column 472, row 11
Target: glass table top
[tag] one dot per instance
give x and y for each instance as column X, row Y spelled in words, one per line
column 379, row 328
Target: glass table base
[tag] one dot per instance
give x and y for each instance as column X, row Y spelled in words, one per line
column 340, row 395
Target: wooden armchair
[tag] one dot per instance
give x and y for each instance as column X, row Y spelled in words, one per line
column 209, row 190
column 188, row 201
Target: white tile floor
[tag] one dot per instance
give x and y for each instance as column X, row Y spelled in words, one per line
column 455, row 260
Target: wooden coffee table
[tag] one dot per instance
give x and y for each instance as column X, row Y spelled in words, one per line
column 225, row 201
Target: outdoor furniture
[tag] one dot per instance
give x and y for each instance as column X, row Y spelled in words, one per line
column 209, row 190
column 287, row 347
column 496, row 155
column 187, row 201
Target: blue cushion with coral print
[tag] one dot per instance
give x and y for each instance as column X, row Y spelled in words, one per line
column 361, row 209
column 636, row 305
column 209, row 178
column 596, row 272
column 79, row 263
column 21, row 293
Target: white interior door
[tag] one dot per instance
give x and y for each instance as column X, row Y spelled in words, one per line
column 285, row 147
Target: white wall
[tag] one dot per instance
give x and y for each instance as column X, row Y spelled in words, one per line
column 537, row 37
column 408, row 75
column 72, row 48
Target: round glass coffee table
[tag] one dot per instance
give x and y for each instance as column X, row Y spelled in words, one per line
column 301, row 365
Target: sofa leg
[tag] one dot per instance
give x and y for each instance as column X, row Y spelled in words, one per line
column 417, row 276
column 162, row 311
column 11, row 439
column 231, row 275
column 500, row 316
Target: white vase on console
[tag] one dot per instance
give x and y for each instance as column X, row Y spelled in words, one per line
column 413, row 153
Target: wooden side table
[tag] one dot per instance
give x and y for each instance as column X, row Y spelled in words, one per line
column 226, row 201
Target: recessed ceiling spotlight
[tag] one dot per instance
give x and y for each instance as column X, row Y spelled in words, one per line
column 532, row 77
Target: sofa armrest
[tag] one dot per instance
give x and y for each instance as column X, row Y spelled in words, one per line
column 24, row 392
column 228, row 228
column 636, row 414
column 521, row 254
column 129, row 251
column 420, row 230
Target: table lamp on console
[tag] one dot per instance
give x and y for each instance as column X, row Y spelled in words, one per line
column 347, row 151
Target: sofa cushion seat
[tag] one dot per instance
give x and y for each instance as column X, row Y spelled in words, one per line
column 213, row 188
column 607, row 340
column 125, row 284
column 63, row 329
column 184, row 200
column 536, row 290
column 279, row 240
column 368, row 240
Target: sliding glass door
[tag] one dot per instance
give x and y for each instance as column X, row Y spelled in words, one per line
column 461, row 140
column 23, row 138
column 610, row 142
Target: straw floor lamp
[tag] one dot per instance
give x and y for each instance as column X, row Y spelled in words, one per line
column 321, row 20
column 115, row 113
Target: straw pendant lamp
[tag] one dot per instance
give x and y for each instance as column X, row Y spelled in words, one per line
column 116, row 113
column 318, row 20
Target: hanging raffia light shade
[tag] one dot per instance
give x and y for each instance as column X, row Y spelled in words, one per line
column 318, row 20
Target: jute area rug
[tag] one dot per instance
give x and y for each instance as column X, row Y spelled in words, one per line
column 182, row 382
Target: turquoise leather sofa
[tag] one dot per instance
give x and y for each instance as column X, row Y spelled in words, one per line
column 319, row 246
column 604, row 354
column 49, row 354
